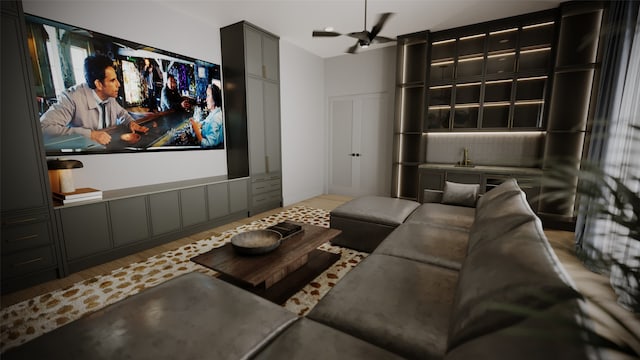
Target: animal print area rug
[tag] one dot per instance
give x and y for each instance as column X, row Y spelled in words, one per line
column 31, row 318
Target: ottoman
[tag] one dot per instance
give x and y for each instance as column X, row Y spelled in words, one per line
column 367, row 220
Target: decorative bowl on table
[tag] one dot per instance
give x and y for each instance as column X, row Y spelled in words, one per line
column 256, row 242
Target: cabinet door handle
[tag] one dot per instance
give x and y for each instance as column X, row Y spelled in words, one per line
column 20, row 221
column 22, row 238
column 27, row 262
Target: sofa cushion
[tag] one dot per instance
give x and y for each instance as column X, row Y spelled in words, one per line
column 189, row 317
column 507, row 186
column 397, row 304
column 460, row 194
column 553, row 333
column 518, row 268
column 377, row 209
column 307, row 339
column 367, row 220
column 445, row 215
column 428, row 243
column 507, row 211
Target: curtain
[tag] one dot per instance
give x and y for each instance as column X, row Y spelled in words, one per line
column 614, row 149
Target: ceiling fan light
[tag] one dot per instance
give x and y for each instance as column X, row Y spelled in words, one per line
column 364, row 45
column 329, row 28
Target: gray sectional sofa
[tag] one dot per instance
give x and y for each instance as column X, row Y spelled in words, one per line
column 449, row 282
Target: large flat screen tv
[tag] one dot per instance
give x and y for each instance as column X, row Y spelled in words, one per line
column 175, row 99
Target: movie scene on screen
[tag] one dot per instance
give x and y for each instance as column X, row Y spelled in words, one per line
column 101, row 94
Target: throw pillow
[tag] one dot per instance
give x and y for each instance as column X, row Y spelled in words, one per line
column 460, row 194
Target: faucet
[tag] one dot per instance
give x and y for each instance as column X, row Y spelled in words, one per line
column 465, row 158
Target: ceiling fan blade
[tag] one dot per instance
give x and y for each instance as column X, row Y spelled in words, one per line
column 382, row 39
column 353, row 49
column 378, row 26
column 361, row 35
column 318, row 33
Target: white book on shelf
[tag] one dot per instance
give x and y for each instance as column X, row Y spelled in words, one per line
column 80, row 193
column 86, row 198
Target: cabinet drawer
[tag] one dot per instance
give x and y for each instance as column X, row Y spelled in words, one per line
column 265, row 186
column 25, row 236
column 27, row 261
column 266, row 198
column 265, row 177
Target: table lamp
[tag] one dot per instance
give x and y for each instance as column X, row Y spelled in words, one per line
column 60, row 175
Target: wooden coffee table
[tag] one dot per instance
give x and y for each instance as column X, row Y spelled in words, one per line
column 279, row 274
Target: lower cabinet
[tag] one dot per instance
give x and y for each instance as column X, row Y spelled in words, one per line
column 165, row 212
column 238, row 197
column 218, row 200
column 193, row 204
column 528, row 180
column 97, row 232
column 129, row 220
column 529, row 184
column 85, row 230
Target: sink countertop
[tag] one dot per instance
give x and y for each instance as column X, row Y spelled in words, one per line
column 511, row 170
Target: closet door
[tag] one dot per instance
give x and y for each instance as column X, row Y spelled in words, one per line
column 359, row 132
column 341, row 178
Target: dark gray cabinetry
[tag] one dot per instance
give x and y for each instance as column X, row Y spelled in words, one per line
column 571, row 112
column 29, row 247
column 262, row 54
column 491, row 76
column 407, row 129
column 165, row 212
column 193, row 203
column 85, row 230
column 218, row 200
column 250, row 61
column 238, row 195
column 130, row 220
column 433, row 177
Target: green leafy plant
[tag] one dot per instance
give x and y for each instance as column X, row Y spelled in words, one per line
column 612, row 199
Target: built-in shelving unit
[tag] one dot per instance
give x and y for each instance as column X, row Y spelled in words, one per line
column 410, row 95
column 251, row 68
column 572, row 110
column 492, row 76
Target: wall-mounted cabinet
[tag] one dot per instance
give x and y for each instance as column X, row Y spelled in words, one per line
column 490, row 76
column 250, row 63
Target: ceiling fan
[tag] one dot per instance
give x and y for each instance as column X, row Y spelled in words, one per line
column 364, row 37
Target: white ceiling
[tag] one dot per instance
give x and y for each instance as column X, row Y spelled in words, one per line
column 294, row 20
